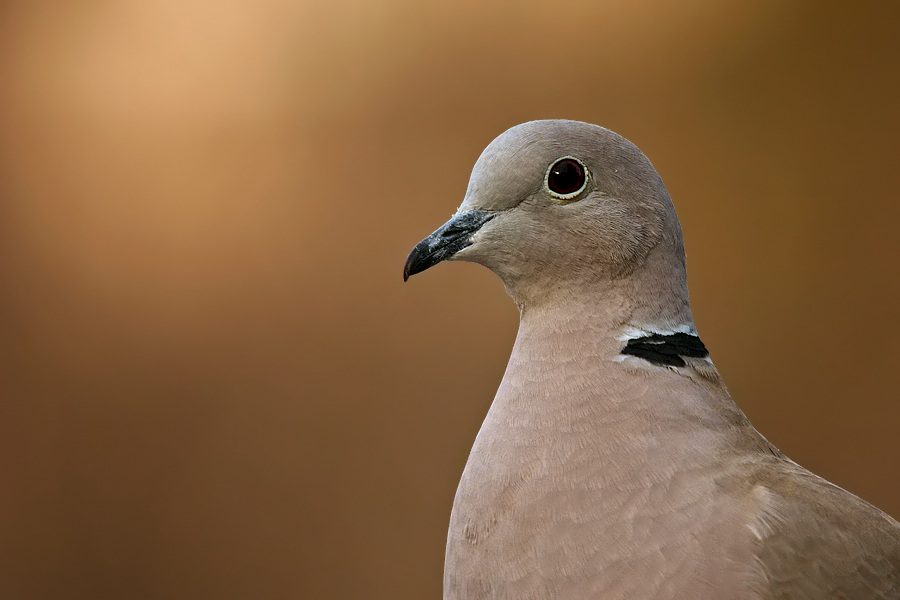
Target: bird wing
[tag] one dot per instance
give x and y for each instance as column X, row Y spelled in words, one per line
column 817, row 541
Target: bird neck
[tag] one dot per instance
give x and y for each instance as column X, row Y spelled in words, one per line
column 643, row 301
column 652, row 296
column 590, row 329
column 568, row 365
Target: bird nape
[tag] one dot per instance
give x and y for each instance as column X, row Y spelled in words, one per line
column 613, row 463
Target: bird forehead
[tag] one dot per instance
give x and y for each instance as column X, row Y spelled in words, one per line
column 514, row 165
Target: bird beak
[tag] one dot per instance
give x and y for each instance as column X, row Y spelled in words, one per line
column 453, row 236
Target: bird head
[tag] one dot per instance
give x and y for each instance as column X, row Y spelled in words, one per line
column 559, row 206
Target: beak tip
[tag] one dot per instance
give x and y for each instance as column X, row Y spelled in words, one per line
column 408, row 267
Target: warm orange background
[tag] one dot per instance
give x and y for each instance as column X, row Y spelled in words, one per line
column 214, row 383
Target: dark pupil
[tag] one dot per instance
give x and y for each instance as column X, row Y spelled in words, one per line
column 566, row 176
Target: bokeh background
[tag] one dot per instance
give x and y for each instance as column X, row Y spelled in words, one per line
column 213, row 383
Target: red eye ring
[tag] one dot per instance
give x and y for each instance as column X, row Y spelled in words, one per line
column 566, row 178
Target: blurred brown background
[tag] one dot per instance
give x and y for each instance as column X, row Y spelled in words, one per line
column 214, row 383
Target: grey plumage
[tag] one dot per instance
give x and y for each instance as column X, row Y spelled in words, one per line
column 598, row 474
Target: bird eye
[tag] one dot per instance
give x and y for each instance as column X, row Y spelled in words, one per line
column 566, row 178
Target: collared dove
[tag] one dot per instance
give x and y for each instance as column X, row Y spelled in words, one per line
column 612, row 463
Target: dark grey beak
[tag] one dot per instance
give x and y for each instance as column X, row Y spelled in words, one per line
column 452, row 237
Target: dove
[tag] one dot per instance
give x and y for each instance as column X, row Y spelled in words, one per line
column 613, row 463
